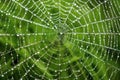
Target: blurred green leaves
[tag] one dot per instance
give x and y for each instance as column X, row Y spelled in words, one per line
column 59, row 39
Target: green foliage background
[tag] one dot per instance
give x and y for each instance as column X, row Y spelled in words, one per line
column 38, row 41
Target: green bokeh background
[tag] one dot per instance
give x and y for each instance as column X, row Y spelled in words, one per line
column 38, row 41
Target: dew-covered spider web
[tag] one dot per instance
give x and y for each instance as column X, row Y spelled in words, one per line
column 59, row 39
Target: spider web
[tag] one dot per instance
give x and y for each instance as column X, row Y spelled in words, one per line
column 59, row 39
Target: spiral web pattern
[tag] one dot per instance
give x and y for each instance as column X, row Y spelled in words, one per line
column 59, row 39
